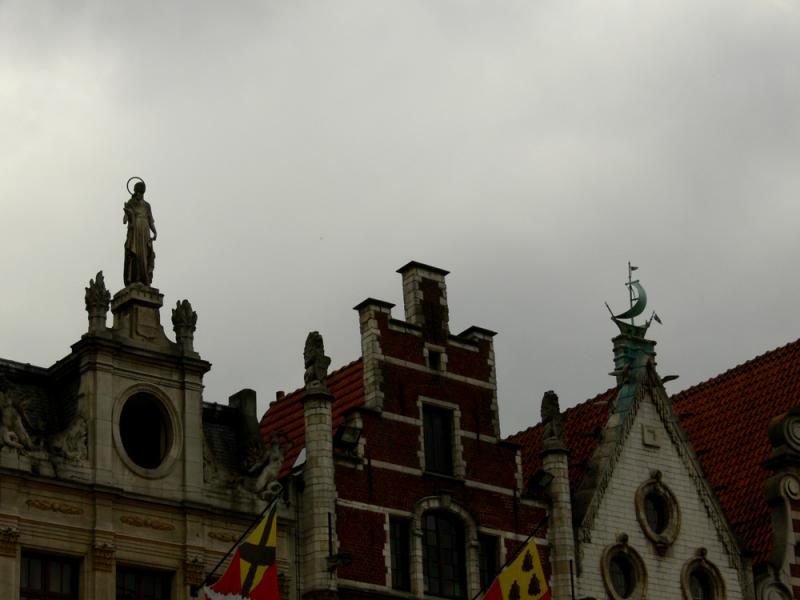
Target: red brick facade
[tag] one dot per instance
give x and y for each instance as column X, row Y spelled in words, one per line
column 413, row 365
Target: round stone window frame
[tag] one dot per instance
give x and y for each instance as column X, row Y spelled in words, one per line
column 171, row 421
column 639, row 575
column 701, row 563
column 667, row 537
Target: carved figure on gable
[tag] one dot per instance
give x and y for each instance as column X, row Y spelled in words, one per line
column 316, row 363
column 551, row 417
column 139, row 254
column 266, row 485
column 73, row 442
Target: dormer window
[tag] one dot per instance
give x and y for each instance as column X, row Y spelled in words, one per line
column 437, row 426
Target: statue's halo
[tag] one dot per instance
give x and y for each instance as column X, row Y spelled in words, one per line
column 128, row 185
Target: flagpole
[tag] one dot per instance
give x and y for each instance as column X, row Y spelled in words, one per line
column 196, row 588
column 523, row 545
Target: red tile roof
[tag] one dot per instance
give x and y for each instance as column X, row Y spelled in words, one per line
column 582, row 427
column 346, row 385
column 726, row 420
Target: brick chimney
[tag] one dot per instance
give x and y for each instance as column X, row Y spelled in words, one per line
column 425, row 299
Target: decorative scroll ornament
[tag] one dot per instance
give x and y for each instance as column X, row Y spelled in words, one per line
column 59, row 507
column 638, row 303
column 222, row 536
column 316, row 364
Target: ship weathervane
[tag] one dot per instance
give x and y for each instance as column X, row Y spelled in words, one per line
column 637, row 298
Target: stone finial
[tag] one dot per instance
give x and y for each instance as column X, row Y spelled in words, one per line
column 184, row 322
column 552, row 420
column 97, row 300
column 316, row 364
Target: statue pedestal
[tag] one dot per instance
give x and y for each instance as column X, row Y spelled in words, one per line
column 137, row 316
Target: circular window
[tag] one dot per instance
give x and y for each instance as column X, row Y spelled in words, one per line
column 146, row 432
column 701, row 580
column 624, row 575
column 657, row 512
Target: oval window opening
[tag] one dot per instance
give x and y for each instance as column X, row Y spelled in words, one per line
column 656, row 512
column 622, row 578
column 144, row 430
column 700, row 586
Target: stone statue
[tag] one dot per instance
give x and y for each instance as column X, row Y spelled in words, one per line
column 97, row 299
column 316, row 363
column 551, row 417
column 139, row 255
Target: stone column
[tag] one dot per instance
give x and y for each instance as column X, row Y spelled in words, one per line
column 559, row 530
column 9, row 562
column 319, row 495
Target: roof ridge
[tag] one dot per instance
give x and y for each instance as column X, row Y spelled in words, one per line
column 755, row 361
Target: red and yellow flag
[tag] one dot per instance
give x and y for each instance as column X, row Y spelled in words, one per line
column 252, row 574
column 521, row 579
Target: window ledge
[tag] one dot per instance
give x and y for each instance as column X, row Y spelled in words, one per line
column 435, row 475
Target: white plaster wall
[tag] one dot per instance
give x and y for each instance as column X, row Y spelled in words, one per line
column 617, row 514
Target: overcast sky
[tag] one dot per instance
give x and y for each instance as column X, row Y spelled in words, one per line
column 297, row 153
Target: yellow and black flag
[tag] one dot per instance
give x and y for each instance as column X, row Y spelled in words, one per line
column 522, row 578
column 252, row 574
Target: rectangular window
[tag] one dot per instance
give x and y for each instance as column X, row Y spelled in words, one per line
column 438, row 436
column 48, row 578
column 443, row 556
column 488, row 559
column 400, row 548
column 141, row 584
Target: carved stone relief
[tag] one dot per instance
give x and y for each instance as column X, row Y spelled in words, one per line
column 72, row 444
column 103, row 557
column 147, row 522
column 59, row 507
column 9, row 541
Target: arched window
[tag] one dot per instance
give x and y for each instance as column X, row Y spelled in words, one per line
column 443, row 555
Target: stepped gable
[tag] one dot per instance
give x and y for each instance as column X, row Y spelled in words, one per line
column 346, row 385
column 726, row 419
column 583, row 425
